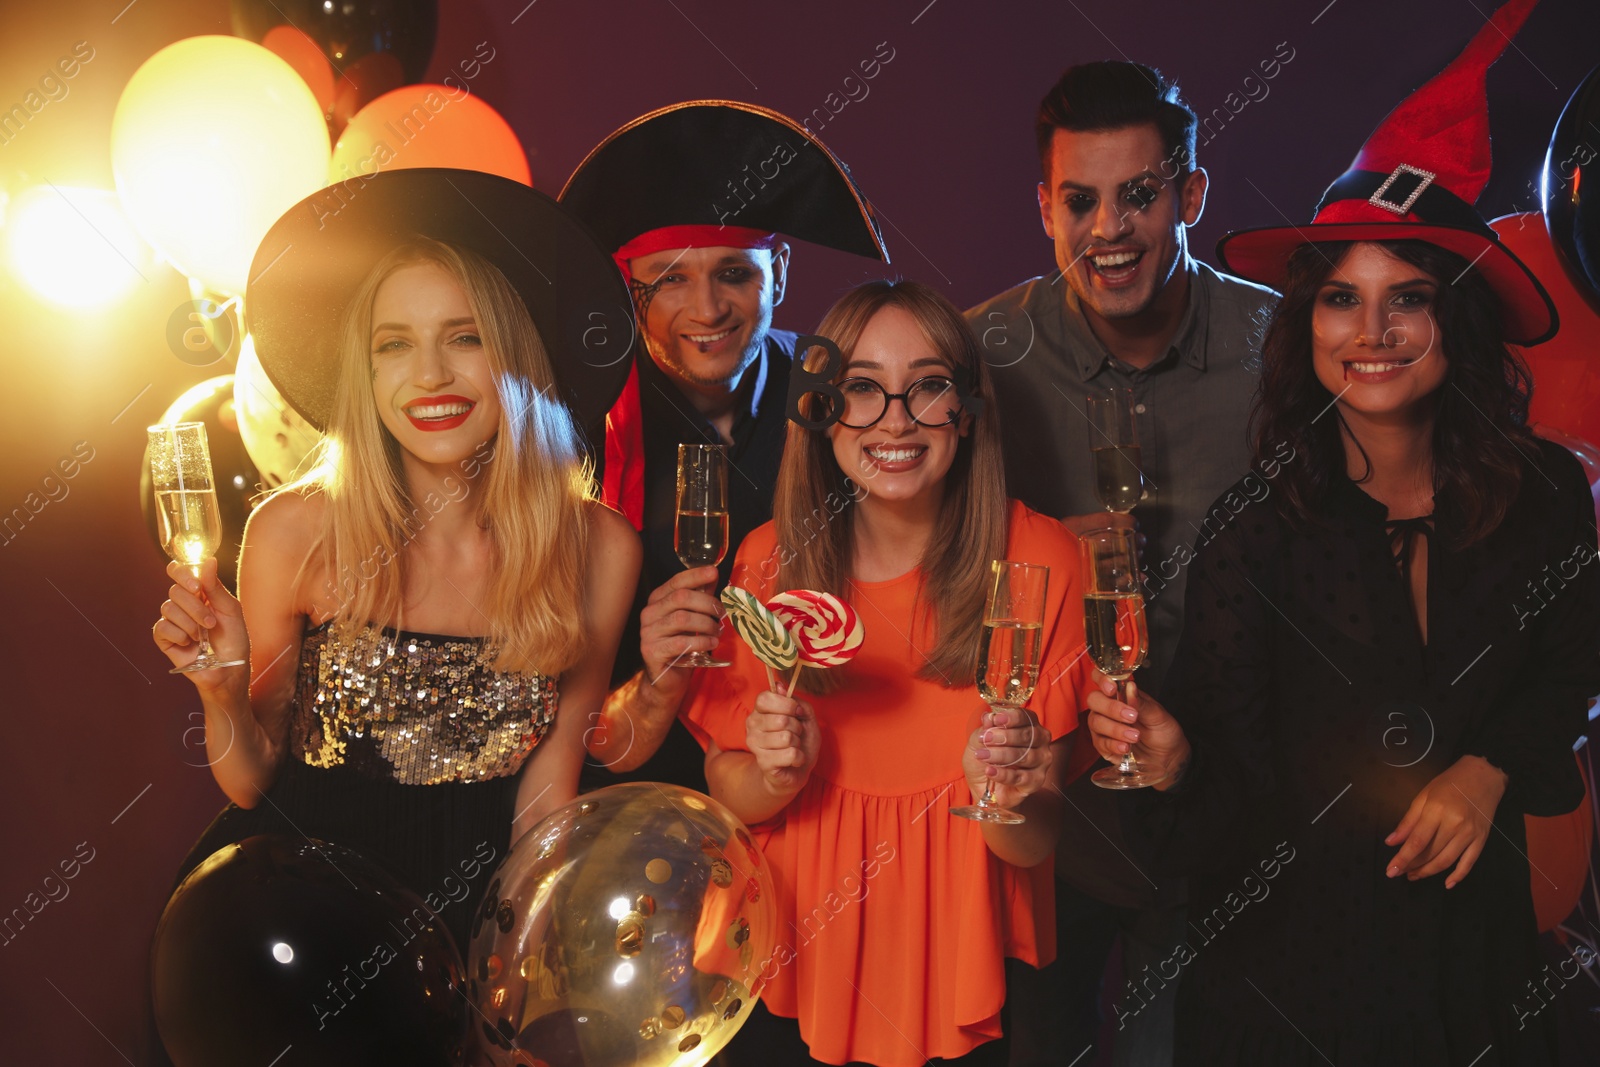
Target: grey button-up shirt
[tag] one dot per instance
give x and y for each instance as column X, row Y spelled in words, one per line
column 1191, row 405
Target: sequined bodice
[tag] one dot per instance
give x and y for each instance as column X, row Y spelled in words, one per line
column 418, row 709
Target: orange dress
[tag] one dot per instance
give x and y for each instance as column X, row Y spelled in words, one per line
column 894, row 917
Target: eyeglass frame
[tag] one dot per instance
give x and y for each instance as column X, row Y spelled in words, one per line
column 905, row 399
column 803, row 380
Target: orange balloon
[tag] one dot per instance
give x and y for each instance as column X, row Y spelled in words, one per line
column 1566, row 368
column 429, row 126
column 305, row 56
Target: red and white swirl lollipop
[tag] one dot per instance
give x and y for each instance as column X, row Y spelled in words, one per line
column 827, row 631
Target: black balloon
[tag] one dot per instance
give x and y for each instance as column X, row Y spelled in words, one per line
column 232, row 472
column 278, row 943
column 1572, row 187
column 348, row 30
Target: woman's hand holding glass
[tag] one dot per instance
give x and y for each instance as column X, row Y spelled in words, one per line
column 198, row 607
column 189, row 524
column 1010, row 752
column 1143, row 727
column 782, row 735
column 1448, row 822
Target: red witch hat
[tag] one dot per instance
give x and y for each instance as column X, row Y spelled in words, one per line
column 1417, row 178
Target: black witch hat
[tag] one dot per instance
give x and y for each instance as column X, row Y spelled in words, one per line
column 311, row 262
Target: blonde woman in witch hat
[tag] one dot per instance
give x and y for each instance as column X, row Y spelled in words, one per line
column 1378, row 678
column 694, row 201
column 430, row 615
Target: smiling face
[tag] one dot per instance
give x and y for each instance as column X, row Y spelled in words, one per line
column 431, row 375
column 1117, row 214
column 896, row 459
column 711, row 309
column 1375, row 342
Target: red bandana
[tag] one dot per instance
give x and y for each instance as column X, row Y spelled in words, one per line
column 623, row 487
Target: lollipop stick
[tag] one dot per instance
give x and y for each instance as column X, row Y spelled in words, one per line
column 772, row 683
column 793, row 680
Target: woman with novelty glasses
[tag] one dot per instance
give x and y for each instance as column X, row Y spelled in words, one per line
column 897, row 917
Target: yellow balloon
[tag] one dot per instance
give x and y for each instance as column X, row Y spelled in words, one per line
column 213, row 139
column 632, row 928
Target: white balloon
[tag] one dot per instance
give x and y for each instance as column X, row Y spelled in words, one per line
column 278, row 440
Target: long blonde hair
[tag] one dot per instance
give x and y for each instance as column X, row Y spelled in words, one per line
column 533, row 479
column 971, row 529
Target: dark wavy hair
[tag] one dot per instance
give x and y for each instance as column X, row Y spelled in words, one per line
column 1112, row 95
column 1481, row 439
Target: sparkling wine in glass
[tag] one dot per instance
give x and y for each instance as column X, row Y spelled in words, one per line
column 700, row 536
column 1114, row 444
column 1114, row 627
column 1008, row 664
column 187, row 520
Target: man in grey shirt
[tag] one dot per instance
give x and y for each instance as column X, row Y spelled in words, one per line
column 1128, row 309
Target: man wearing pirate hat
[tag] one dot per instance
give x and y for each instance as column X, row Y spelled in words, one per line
column 694, row 200
column 1128, row 309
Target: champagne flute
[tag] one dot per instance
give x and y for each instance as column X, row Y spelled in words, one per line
column 188, row 522
column 1008, row 665
column 701, row 535
column 1114, row 627
column 1114, row 443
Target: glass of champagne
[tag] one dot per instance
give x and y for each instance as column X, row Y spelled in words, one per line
column 1008, row 665
column 701, row 535
column 1114, row 627
column 1114, row 443
column 188, row 521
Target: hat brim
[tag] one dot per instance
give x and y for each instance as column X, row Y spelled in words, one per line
column 721, row 162
column 309, row 265
column 1528, row 315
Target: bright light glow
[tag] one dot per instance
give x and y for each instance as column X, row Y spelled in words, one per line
column 619, row 908
column 213, row 139
column 192, row 396
column 622, row 975
column 74, row 247
column 282, row 953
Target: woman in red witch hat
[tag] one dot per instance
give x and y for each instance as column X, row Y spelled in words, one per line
column 1387, row 659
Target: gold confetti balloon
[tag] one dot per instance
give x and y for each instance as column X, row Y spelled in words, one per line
column 628, row 929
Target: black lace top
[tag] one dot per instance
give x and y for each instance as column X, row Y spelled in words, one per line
column 414, row 708
column 1317, row 714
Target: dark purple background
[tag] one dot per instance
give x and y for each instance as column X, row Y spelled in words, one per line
column 943, row 145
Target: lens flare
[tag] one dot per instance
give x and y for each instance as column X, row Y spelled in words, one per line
column 74, row 247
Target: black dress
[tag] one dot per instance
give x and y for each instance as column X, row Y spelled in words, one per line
column 406, row 748
column 667, row 419
column 1316, row 715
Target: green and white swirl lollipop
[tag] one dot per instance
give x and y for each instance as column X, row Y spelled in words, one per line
column 766, row 635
